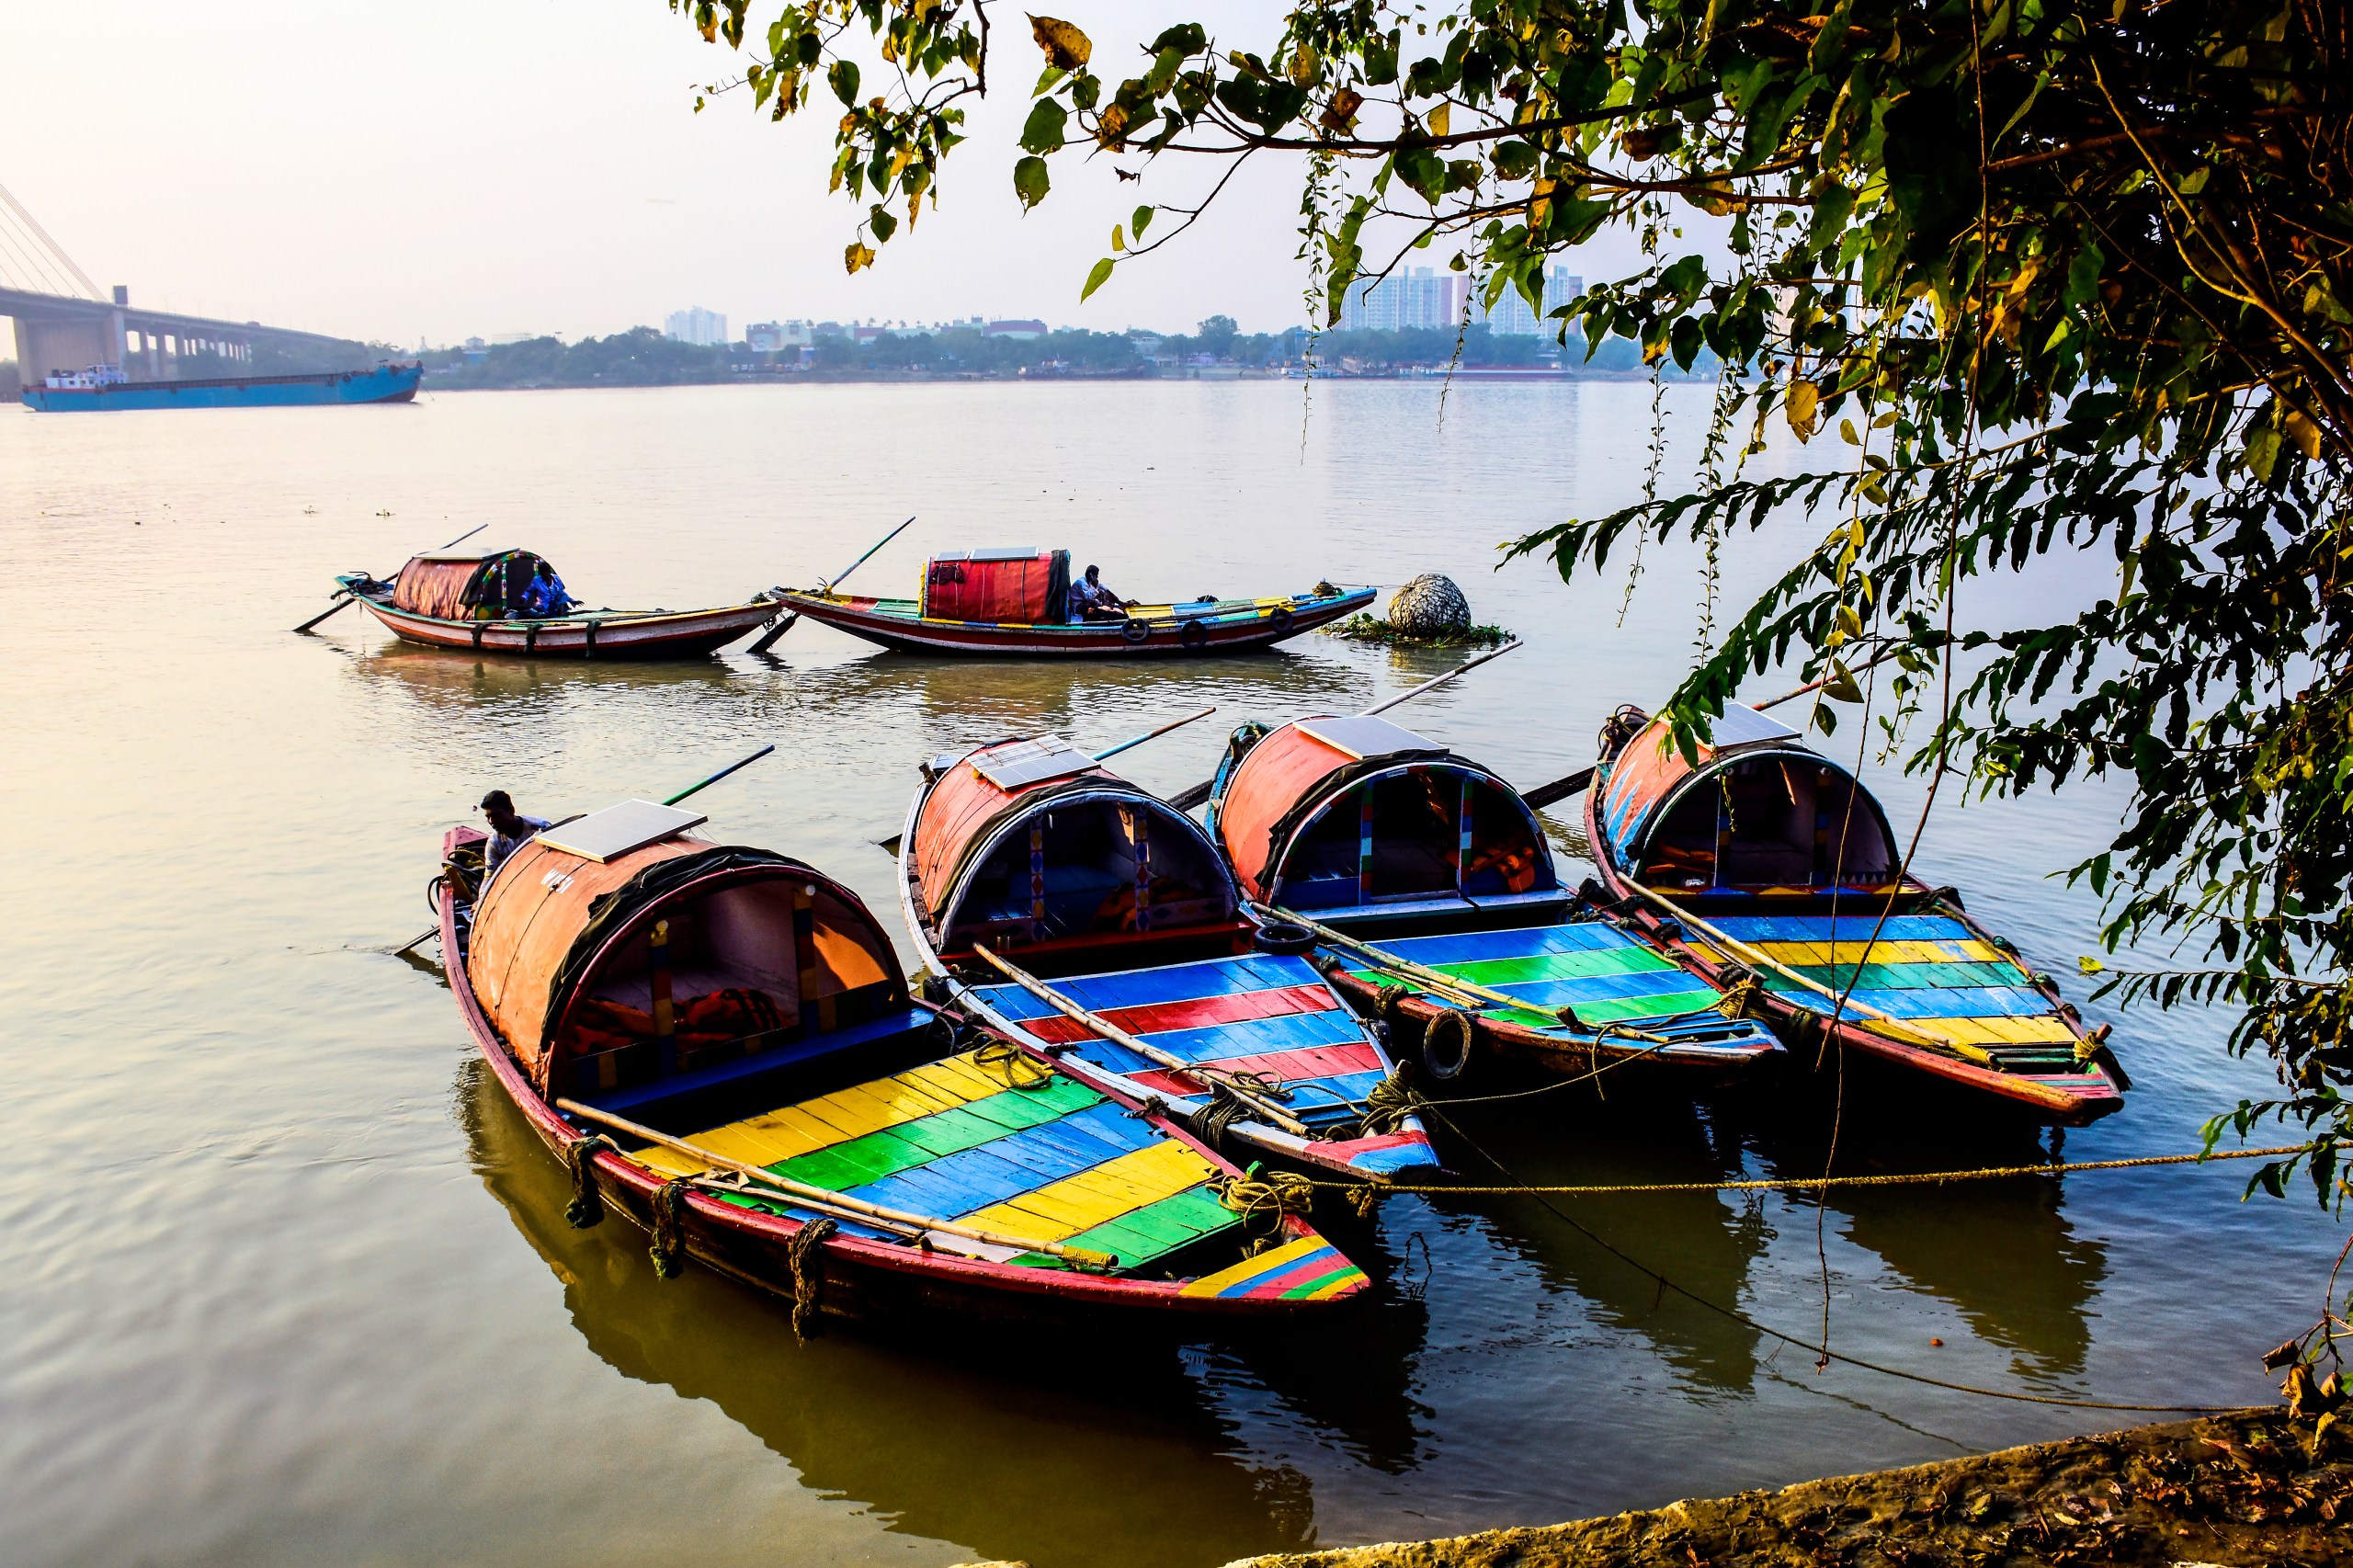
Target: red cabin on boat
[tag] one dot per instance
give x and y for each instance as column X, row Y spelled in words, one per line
column 1026, row 587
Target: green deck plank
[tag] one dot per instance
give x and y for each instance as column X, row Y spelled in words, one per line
column 1964, row 975
column 1555, row 966
column 1622, row 1009
column 1157, row 1229
column 857, row 1161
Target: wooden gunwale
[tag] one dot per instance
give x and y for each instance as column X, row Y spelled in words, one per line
column 1798, row 1026
column 1226, row 633
column 709, row 1224
column 1262, row 1135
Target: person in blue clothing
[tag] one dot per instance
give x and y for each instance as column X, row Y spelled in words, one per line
column 543, row 595
column 1090, row 600
column 509, row 831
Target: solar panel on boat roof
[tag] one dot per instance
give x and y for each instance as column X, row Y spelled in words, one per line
column 1361, row 737
column 1020, row 762
column 616, row 830
column 1743, row 726
column 997, row 552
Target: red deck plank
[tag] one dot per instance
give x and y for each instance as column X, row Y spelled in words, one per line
column 1158, row 1017
column 1290, row 1066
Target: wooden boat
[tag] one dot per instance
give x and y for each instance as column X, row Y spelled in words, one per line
column 1375, row 833
column 1764, row 866
column 1011, row 602
column 458, row 599
column 697, row 1027
column 1035, row 852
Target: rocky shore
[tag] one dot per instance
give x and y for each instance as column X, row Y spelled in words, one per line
column 2232, row 1490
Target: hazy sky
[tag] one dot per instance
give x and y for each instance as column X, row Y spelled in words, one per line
column 437, row 169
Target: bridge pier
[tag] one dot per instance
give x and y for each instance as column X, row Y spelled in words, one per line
column 49, row 344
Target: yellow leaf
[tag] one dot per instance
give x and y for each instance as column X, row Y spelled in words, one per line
column 1118, row 237
column 1439, row 119
column 857, row 256
column 1303, row 65
column 1805, row 397
column 2303, row 432
column 1066, row 48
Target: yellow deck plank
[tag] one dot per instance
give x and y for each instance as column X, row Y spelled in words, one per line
column 2030, row 1031
column 1799, row 954
column 1098, row 1194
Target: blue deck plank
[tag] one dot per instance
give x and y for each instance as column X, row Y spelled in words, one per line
column 1519, row 942
column 1848, row 928
column 1975, row 1001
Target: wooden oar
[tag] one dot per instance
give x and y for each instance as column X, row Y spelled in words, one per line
column 715, row 778
column 891, row 844
column 1186, row 800
column 1150, row 1053
column 347, row 597
column 1888, row 1023
column 767, row 638
column 1428, row 979
column 819, row 1197
column 1562, row 788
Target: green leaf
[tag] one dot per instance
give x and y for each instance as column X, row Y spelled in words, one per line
column 1097, row 279
column 842, row 76
column 1046, row 127
column 1029, row 181
column 1137, row 223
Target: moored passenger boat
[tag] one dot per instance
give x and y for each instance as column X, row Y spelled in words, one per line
column 1766, row 867
column 1014, row 603
column 1433, row 892
column 1093, row 924
column 717, row 1041
column 474, row 599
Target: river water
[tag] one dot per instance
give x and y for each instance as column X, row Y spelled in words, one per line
column 283, row 1279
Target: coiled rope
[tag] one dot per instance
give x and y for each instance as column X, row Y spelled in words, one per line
column 1009, row 1062
column 669, row 1248
column 1260, row 1194
column 808, row 1270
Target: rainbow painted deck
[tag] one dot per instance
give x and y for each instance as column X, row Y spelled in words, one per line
column 1262, row 1014
column 1929, row 970
column 1039, row 1157
column 1596, row 971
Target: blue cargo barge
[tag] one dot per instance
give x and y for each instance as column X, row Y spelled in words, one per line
column 105, row 387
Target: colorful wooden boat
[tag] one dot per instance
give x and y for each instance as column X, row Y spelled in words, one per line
column 1372, row 832
column 744, row 1014
column 1038, row 853
column 1014, row 603
column 456, row 599
column 1764, row 866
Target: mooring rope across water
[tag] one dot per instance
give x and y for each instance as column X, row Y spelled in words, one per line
column 1544, row 1195
column 1810, row 1183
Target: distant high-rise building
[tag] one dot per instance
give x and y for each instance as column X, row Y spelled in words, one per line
column 776, row 337
column 1424, row 297
column 696, row 326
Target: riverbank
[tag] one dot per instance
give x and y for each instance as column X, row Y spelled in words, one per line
column 2236, row 1489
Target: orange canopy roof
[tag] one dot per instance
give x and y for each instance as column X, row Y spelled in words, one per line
column 1276, row 774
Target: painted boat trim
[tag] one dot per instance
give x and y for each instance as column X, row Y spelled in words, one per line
column 1227, row 630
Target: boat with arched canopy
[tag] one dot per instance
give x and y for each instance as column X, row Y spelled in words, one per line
column 1442, row 912
column 475, row 600
column 718, row 1041
column 1118, row 903
column 1763, row 865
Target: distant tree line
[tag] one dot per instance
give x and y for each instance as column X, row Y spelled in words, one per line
column 642, row 356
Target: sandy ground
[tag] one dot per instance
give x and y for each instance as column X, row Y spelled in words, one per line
column 2238, row 1490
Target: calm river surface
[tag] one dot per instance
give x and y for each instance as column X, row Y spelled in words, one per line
column 283, row 1279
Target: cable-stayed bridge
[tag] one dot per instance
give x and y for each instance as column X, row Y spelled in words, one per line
column 65, row 322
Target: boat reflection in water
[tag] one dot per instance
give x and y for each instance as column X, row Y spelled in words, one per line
column 469, row 683
column 1012, row 1443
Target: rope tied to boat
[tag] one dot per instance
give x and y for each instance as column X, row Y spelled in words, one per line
column 588, row 1207
column 1388, row 1004
column 808, row 1272
column 1388, row 1103
column 669, row 1248
column 1210, row 1122
column 1011, row 1064
column 1259, row 1195
column 1743, row 998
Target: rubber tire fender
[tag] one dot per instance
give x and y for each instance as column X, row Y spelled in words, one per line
column 1195, row 637
column 1282, row 620
column 1284, row 937
column 1134, row 631
column 1449, row 1025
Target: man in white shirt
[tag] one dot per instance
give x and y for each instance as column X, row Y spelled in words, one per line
column 508, row 829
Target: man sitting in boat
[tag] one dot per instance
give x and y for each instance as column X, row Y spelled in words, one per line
column 1090, row 600
column 544, row 595
column 508, row 829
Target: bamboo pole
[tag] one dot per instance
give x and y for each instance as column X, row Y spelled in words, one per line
column 1117, row 1036
column 345, row 597
column 818, row 1198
